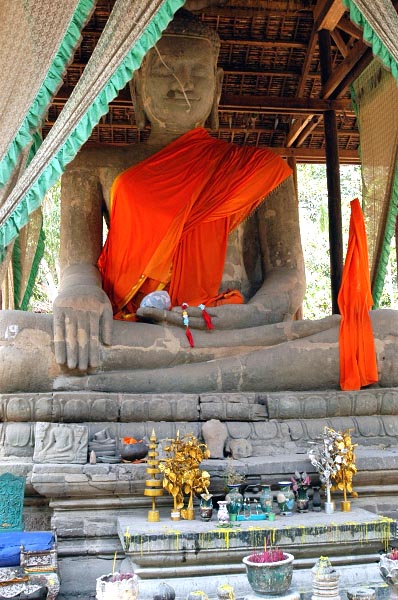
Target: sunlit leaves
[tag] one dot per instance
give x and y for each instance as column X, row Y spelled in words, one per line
column 181, row 472
column 334, row 459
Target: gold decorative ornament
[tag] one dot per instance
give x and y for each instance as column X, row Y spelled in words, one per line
column 334, row 459
column 153, row 486
column 345, row 467
column 181, row 474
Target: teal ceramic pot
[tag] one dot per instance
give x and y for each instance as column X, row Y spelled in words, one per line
column 285, row 498
column 270, row 579
column 266, row 499
column 235, row 501
column 206, row 507
column 302, row 500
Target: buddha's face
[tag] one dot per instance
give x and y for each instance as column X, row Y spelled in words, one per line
column 178, row 82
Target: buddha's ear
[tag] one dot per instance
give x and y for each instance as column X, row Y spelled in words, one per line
column 135, row 85
column 214, row 121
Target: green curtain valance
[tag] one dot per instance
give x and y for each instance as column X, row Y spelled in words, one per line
column 379, row 21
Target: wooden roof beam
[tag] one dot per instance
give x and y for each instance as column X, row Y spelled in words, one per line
column 338, row 40
column 272, row 104
column 342, row 77
column 311, row 126
column 311, row 155
column 325, row 14
column 255, row 104
column 264, row 43
column 298, row 127
column 237, row 11
column 350, row 28
column 353, row 73
column 342, row 71
column 328, row 13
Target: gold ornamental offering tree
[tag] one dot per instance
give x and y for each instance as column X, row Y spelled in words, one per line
column 153, row 486
column 334, row 460
column 344, row 458
column 181, row 473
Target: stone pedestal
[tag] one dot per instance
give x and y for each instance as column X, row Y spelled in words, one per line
column 288, row 596
column 361, row 593
column 85, row 501
column 200, row 551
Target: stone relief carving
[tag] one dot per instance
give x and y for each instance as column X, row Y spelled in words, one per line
column 60, row 443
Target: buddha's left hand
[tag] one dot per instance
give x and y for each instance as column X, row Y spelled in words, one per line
column 227, row 316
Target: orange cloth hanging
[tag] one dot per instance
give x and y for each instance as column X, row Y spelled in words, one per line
column 171, row 215
column 358, row 366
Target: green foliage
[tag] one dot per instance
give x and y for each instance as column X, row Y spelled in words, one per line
column 314, row 224
column 47, row 280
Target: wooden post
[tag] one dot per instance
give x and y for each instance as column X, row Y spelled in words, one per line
column 332, row 175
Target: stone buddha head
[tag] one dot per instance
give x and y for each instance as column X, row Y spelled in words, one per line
column 178, row 85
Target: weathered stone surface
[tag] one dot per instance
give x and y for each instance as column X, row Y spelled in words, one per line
column 17, row 440
column 159, row 407
column 86, row 481
column 331, row 403
column 26, row 407
column 195, row 542
column 232, row 407
column 241, row 429
column 215, row 434
column 239, row 448
column 85, row 406
column 365, row 430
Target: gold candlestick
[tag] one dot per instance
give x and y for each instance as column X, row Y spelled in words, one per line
column 153, row 486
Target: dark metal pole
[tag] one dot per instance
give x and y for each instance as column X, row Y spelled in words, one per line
column 332, row 176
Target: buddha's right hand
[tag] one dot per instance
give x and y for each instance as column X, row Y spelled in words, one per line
column 82, row 318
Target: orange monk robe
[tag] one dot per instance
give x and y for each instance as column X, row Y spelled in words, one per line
column 358, row 366
column 171, row 215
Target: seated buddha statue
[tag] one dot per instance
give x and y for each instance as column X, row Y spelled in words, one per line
column 212, row 224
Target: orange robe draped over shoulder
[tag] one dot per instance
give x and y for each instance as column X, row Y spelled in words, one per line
column 171, row 215
column 358, row 366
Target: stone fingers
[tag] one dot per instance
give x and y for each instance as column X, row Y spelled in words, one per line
column 59, row 337
column 106, row 325
column 94, row 357
column 71, row 342
column 83, row 340
column 76, row 340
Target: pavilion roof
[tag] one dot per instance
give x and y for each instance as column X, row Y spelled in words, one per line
column 272, row 94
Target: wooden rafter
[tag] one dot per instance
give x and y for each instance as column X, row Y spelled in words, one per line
column 266, row 104
column 341, row 72
column 328, row 13
column 321, row 15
